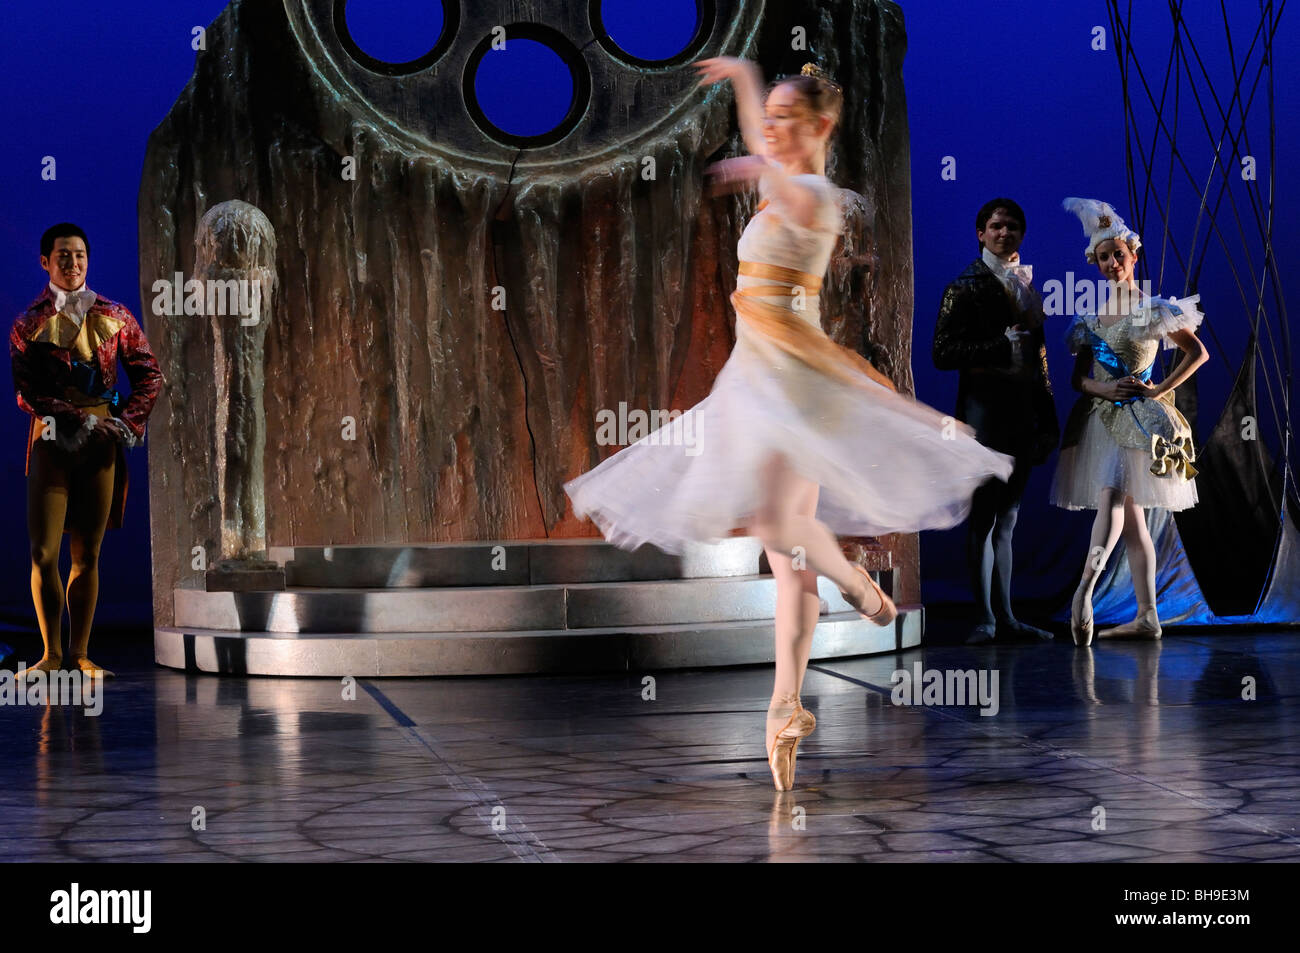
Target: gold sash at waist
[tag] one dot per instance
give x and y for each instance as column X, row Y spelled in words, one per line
column 759, row 269
column 792, row 334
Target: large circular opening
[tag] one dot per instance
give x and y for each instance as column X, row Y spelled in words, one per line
column 660, row 34
column 396, row 37
column 526, row 85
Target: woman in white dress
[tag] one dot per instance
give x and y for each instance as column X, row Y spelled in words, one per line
column 796, row 427
column 1126, row 447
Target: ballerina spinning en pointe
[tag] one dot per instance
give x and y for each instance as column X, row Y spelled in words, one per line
column 1126, row 446
column 799, row 438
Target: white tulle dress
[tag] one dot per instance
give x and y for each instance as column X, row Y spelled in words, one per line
column 885, row 463
column 1143, row 447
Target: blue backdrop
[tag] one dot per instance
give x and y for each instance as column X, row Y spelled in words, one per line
column 1013, row 92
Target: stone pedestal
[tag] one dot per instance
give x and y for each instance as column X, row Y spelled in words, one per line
column 245, row 575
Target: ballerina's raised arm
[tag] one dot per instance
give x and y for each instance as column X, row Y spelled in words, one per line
column 783, row 138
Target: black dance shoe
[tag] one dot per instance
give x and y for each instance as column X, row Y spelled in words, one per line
column 1020, row 631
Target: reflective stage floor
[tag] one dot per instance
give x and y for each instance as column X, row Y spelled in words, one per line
column 1125, row 752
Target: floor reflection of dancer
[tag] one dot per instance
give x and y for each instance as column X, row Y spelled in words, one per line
column 796, row 427
column 1126, row 446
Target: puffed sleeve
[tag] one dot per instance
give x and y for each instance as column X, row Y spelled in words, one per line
column 1162, row 317
column 1078, row 336
column 827, row 216
column 142, row 371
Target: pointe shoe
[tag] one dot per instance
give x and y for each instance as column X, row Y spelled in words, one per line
column 1145, row 626
column 887, row 611
column 1081, row 622
column 785, row 747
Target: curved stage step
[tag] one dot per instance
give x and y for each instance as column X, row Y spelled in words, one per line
column 490, row 608
column 638, row 649
column 519, row 563
column 508, row 607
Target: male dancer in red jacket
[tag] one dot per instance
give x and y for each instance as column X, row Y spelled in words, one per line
column 65, row 350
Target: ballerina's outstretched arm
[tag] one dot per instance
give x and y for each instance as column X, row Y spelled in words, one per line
column 799, row 200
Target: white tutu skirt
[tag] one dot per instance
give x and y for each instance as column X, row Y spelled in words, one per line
column 1097, row 462
column 884, row 462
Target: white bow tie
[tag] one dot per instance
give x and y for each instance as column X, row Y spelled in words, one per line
column 1017, row 278
column 1017, row 270
column 74, row 303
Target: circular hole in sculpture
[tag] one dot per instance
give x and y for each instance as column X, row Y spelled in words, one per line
column 663, row 33
column 526, row 85
column 395, row 37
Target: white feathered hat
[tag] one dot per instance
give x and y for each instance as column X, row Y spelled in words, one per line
column 1100, row 222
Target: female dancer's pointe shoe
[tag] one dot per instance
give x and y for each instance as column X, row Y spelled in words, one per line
column 1145, row 626
column 1081, row 620
column 887, row 611
column 786, row 746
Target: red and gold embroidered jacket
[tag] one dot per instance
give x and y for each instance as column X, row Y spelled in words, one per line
column 42, row 362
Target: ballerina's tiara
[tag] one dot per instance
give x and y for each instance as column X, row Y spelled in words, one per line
column 815, row 71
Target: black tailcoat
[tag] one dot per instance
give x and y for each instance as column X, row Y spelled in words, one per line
column 1011, row 413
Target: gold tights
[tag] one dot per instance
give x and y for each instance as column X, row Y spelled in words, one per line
column 72, row 490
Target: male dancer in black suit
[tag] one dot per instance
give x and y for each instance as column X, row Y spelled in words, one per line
column 990, row 329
